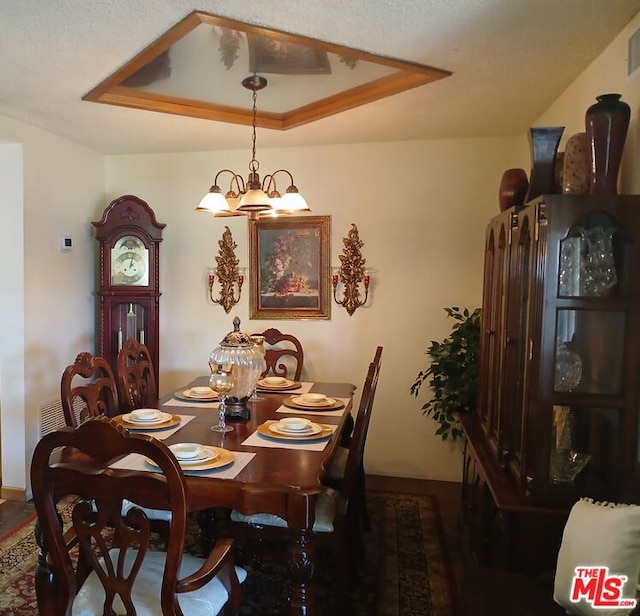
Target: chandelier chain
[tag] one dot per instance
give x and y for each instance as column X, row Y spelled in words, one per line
column 253, row 165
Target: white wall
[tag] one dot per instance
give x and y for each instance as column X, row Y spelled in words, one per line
column 608, row 73
column 421, row 209
column 12, row 364
column 57, row 189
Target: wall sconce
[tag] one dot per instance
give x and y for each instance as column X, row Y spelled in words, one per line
column 351, row 273
column 228, row 273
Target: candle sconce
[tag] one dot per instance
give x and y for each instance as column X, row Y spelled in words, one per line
column 351, row 273
column 230, row 276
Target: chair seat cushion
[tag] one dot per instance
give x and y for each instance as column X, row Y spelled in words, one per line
column 207, row 600
column 338, row 463
column 325, row 512
column 152, row 514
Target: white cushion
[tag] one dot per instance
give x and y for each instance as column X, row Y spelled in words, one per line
column 325, row 513
column 152, row 514
column 207, row 600
column 598, row 535
column 338, row 463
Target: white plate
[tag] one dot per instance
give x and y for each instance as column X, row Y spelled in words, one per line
column 325, row 402
column 207, row 455
column 268, row 385
column 202, row 391
column 189, row 393
column 213, row 457
column 163, row 417
column 187, row 451
column 294, row 423
column 279, row 429
column 145, row 415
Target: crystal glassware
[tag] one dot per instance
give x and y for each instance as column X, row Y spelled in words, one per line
column 222, row 382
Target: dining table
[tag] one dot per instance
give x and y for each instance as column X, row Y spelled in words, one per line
column 267, row 473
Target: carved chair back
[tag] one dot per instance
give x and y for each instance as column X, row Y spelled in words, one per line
column 354, row 467
column 87, row 389
column 105, row 552
column 136, row 377
column 284, row 355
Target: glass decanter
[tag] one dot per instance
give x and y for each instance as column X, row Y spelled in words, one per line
column 222, row 382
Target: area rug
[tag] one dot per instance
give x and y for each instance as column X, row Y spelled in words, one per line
column 406, row 569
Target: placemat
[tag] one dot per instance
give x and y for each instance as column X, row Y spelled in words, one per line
column 196, row 404
column 257, row 440
column 135, row 462
column 336, row 413
column 305, row 387
column 163, row 434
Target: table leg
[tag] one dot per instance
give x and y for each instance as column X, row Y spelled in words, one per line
column 301, row 569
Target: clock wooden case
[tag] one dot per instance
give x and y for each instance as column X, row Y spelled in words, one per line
column 128, row 277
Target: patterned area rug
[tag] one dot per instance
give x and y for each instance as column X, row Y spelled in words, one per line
column 406, row 570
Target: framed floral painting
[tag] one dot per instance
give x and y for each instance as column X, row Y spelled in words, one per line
column 289, row 268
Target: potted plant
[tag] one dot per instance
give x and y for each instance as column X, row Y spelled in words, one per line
column 452, row 374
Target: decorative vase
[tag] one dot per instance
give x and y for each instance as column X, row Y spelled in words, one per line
column 606, row 124
column 575, row 175
column 240, row 351
column 544, row 147
column 513, row 188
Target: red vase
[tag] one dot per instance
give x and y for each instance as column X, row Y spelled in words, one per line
column 606, row 124
column 513, row 188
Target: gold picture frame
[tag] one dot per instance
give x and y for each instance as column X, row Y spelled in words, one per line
column 289, row 275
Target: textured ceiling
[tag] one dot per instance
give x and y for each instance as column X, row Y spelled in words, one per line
column 509, row 58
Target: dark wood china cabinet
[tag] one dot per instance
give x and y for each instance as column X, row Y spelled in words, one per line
column 557, row 415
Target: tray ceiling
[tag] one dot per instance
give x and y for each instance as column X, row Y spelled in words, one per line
column 197, row 67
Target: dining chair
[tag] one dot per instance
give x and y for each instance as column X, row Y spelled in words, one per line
column 337, row 467
column 101, row 561
column 335, row 519
column 87, row 389
column 283, row 355
column 136, row 378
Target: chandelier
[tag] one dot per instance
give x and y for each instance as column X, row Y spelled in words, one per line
column 253, row 198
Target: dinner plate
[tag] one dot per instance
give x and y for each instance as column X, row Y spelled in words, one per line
column 188, row 395
column 310, row 430
column 265, row 430
column 162, row 418
column 286, row 386
column 292, row 403
column 302, row 402
column 205, row 454
column 170, row 420
column 144, row 415
column 220, row 457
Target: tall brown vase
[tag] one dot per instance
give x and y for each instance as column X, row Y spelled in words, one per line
column 606, row 125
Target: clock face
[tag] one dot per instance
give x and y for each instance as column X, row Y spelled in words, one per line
column 130, row 262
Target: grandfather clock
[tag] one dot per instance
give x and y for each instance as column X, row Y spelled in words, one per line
column 129, row 277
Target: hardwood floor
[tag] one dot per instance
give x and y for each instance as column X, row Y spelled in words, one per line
column 12, row 514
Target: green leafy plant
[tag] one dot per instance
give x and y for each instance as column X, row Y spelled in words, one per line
column 452, row 374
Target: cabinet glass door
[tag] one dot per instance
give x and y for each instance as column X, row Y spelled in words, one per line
column 583, row 447
column 590, row 257
column 589, row 351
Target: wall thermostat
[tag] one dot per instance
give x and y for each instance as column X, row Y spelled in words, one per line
column 65, row 243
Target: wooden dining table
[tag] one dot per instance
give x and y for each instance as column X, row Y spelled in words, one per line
column 284, row 482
